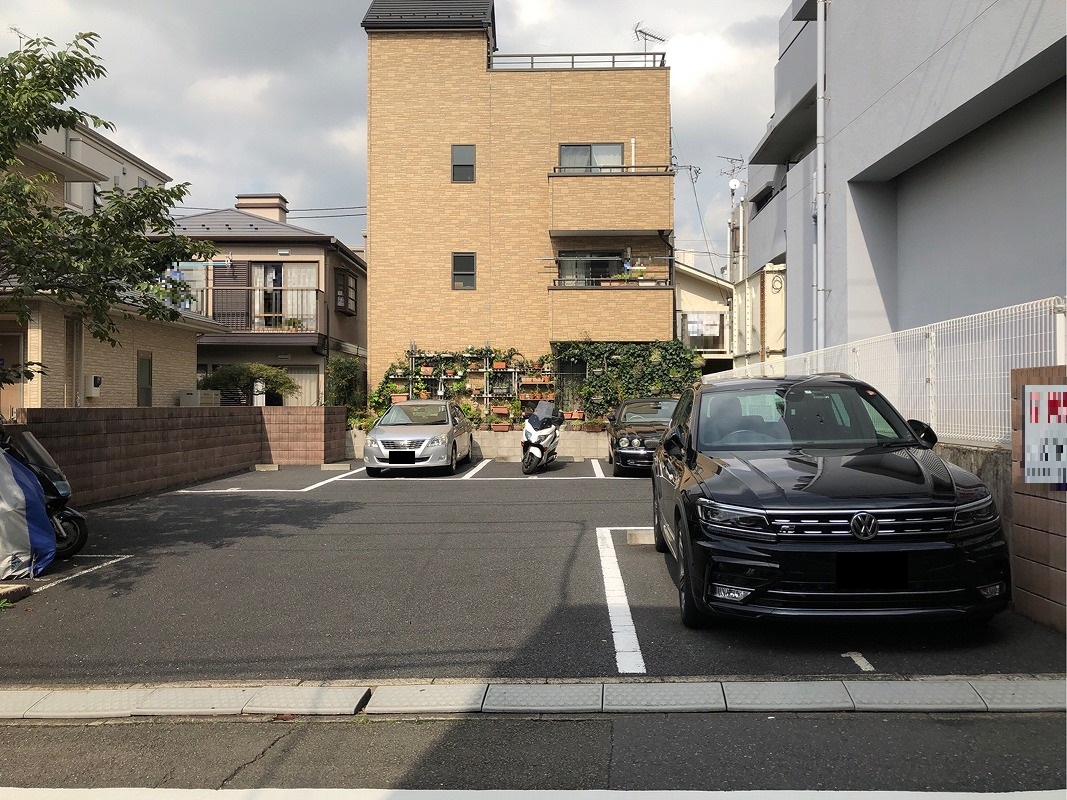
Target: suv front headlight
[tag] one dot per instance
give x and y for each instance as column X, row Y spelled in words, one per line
column 743, row 523
column 979, row 512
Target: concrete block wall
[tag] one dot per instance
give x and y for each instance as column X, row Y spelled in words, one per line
column 1039, row 520
column 303, row 434
column 122, row 452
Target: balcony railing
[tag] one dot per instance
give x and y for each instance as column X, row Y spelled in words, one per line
column 621, row 282
column 521, row 61
column 260, row 309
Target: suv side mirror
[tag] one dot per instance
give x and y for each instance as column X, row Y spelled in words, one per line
column 673, row 442
column 923, row 431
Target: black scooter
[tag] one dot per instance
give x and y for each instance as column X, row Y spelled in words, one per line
column 72, row 532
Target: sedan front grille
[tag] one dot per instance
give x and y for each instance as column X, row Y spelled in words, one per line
column 835, row 526
column 402, row 444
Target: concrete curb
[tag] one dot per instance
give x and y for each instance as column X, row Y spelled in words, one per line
column 994, row 693
column 13, row 592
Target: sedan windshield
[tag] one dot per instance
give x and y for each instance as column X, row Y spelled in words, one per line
column 799, row 415
column 420, row 414
column 647, row 411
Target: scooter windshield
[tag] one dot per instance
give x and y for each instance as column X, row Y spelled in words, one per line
column 543, row 416
column 37, row 456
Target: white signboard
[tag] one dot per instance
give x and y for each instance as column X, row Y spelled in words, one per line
column 1045, row 434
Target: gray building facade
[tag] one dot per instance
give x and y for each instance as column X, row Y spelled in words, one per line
column 940, row 138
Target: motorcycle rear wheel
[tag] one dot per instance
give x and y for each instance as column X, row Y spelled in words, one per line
column 529, row 463
column 73, row 538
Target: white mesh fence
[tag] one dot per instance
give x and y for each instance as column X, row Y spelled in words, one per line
column 955, row 375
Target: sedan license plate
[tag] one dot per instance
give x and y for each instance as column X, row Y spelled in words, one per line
column 401, row 456
column 872, row 572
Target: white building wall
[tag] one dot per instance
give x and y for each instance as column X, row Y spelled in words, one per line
column 945, row 166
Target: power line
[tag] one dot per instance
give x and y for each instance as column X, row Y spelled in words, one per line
column 329, row 216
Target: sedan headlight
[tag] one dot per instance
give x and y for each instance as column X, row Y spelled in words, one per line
column 372, row 442
column 629, row 441
column 743, row 523
column 438, row 441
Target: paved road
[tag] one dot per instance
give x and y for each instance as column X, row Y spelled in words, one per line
column 303, row 574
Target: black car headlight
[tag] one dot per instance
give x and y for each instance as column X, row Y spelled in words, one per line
column 628, row 441
column 980, row 512
column 743, row 523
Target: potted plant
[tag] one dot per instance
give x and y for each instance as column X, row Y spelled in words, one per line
column 500, row 410
column 293, row 324
column 497, row 424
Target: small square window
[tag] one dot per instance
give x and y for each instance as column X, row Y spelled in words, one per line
column 463, row 270
column 463, row 163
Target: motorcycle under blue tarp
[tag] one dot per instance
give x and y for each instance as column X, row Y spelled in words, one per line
column 27, row 538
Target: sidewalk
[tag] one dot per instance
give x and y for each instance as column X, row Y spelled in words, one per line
column 994, row 693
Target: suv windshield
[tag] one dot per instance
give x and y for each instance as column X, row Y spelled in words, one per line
column 799, row 415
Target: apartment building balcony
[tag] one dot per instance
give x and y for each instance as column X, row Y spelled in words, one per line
column 632, row 315
column 262, row 315
column 615, row 200
column 791, row 131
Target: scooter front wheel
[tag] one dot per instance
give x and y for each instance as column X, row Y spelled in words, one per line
column 71, row 535
column 529, row 463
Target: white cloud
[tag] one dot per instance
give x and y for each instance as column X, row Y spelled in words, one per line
column 230, row 95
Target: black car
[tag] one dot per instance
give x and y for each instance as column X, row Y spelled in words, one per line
column 634, row 431
column 811, row 496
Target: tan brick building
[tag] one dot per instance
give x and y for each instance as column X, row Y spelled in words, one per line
column 505, row 192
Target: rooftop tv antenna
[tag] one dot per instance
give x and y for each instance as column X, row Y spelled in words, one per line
column 644, row 34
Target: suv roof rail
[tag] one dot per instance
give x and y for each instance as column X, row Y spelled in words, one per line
column 838, row 375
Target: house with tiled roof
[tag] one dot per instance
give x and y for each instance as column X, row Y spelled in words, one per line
column 155, row 360
column 288, row 296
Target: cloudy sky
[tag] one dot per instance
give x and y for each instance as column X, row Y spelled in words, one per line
column 239, row 96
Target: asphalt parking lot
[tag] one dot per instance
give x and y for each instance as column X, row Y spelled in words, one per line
column 309, row 574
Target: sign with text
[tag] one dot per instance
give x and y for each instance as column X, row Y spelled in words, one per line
column 1045, row 434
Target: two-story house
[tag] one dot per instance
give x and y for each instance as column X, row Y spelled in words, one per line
column 287, row 296
column 509, row 194
column 155, row 359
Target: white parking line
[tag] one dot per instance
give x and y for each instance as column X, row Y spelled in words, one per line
column 482, row 465
column 628, row 656
column 596, row 468
column 231, row 489
column 78, row 574
column 861, row 662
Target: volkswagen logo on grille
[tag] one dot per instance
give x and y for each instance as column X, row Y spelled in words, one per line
column 864, row 526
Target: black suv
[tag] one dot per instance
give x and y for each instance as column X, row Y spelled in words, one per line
column 812, row 496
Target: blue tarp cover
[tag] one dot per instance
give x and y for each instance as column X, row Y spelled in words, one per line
column 27, row 538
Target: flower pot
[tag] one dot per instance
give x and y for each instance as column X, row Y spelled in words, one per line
column 397, row 398
column 501, row 410
column 500, row 427
column 426, row 370
column 450, row 372
column 500, row 365
column 578, row 415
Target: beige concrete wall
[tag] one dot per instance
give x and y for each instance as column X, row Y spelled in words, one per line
column 428, row 91
column 173, row 350
column 1039, row 524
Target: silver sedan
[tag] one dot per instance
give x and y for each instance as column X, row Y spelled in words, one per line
column 416, row 434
